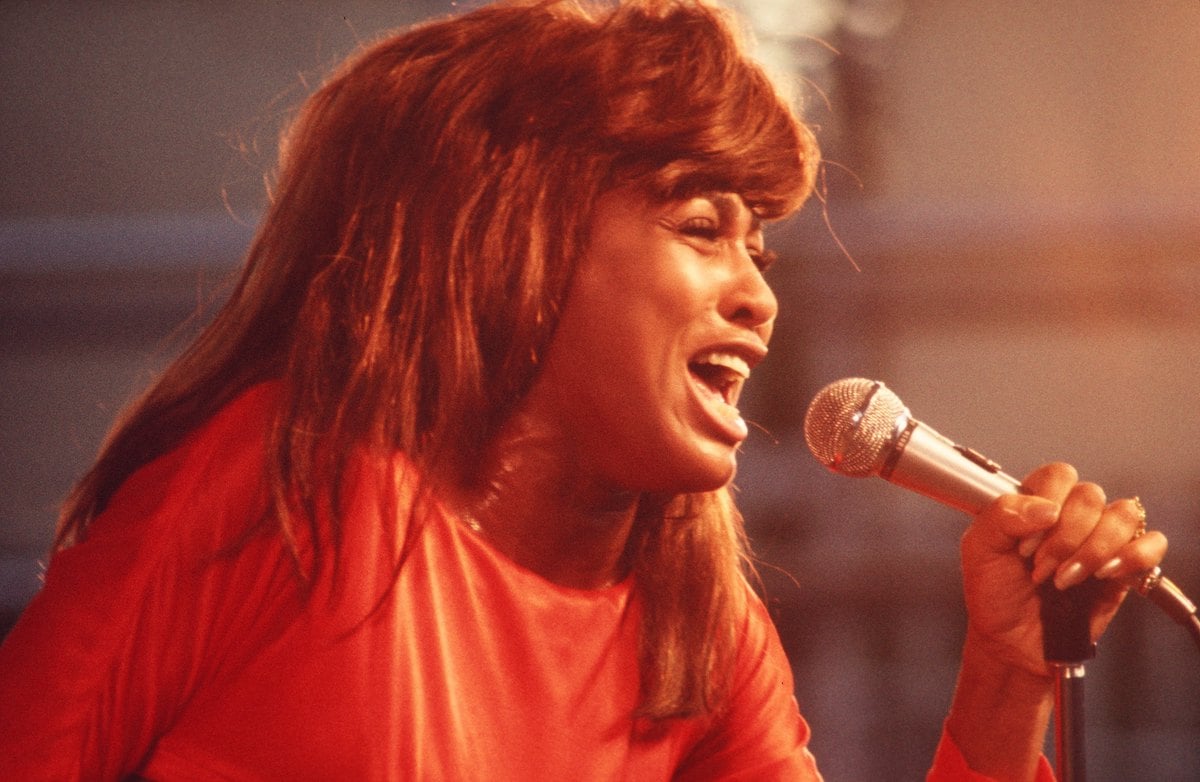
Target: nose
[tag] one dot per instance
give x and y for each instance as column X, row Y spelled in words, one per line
column 750, row 301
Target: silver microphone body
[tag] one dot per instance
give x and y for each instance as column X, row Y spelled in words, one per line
column 858, row 427
column 922, row 460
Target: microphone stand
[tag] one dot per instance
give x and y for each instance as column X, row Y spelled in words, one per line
column 1067, row 645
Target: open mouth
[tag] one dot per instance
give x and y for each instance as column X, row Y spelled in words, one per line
column 723, row 373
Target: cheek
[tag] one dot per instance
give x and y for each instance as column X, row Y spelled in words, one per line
column 580, row 369
column 607, row 334
column 603, row 377
column 609, row 381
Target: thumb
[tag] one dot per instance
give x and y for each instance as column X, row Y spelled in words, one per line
column 1011, row 520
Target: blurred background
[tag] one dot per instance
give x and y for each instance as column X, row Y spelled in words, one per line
column 1009, row 236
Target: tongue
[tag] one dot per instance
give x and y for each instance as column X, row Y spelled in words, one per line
column 714, row 376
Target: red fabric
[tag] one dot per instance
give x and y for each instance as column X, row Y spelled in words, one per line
column 949, row 765
column 153, row 648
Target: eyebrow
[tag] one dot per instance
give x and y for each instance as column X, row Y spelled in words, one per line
column 729, row 205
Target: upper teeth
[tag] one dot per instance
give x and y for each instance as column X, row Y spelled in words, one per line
column 730, row 361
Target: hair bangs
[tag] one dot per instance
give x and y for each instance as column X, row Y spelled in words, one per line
column 688, row 111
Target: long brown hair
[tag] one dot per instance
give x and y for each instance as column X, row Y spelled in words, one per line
column 432, row 199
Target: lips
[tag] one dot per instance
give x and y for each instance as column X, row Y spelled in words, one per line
column 718, row 375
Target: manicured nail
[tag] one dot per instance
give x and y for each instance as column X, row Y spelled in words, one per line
column 1042, row 568
column 1069, row 576
column 1030, row 545
column 1044, row 512
column 1108, row 568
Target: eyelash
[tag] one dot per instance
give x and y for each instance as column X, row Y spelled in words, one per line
column 705, row 228
column 701, row 227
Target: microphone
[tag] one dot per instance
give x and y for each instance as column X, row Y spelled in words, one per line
column 859, row 427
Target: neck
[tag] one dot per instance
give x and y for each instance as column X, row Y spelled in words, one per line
column 542, row 511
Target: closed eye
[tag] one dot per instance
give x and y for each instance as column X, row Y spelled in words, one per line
column 701, row 228
column 709, row 230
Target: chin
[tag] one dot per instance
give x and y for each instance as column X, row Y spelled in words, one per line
column 712, row 485
column 703, row 475
column 678, row 466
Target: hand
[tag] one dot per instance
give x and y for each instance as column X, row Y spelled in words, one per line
column 1074, row 533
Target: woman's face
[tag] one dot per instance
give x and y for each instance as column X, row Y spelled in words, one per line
column 666, row 316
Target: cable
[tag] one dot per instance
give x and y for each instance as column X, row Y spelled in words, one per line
column 1171, row 599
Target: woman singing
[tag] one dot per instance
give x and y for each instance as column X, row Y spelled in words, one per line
column 442, row 492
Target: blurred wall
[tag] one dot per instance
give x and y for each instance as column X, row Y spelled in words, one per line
column 1009, row 238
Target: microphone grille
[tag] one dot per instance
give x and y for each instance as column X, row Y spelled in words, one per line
column 850, row 425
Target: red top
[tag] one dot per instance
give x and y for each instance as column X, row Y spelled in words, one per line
column 154, row 648
column 167, row 645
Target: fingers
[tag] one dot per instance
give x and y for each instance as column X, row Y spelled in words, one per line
column 1082, row 510
column 1072, row 531
column 1013, row 520
column 1053, row 481
column 1114, row 549
column 1022, row 520
column 1135, row 558
column 1093, row 537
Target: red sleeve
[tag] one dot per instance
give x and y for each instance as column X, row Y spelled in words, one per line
column 949, row 765
column 131, row 621
column 760, row 736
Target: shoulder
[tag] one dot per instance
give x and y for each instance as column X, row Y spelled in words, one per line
column 185, row 506
column 197, row 497
column 761, row 661
column 759, row 730
column 233, row 440
column 134, row 616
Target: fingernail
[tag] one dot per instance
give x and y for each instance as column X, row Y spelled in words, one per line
column 1108, row 568
column 1069, row 576
column 1042, row 569
column 1044, row 512
column 1029, row 545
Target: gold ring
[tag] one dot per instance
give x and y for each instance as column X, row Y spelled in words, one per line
column 1141, row 517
